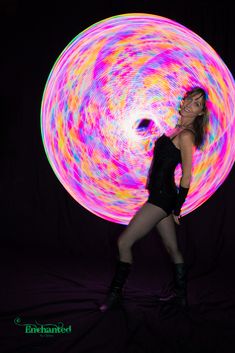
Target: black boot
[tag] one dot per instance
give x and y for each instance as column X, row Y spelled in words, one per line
column 180, row 279
column 115, row 290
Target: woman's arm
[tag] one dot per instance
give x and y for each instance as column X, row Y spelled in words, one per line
column 186, row 141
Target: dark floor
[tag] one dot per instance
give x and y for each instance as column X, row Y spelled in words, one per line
column 45, row 288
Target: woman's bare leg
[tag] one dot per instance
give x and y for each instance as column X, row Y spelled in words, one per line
column 166, row 229
column 140, row 225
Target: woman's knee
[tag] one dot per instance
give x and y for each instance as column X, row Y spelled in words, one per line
column 123, row 243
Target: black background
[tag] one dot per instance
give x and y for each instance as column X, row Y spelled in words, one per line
column 33, row 36
column 42, row 225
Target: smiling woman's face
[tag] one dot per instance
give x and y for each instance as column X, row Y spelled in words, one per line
column 192, row 105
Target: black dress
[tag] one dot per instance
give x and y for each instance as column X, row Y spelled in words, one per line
column 161, row 182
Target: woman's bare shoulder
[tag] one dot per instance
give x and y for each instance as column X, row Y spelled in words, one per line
column 187, row 135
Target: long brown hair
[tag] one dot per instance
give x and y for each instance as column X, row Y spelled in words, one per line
column 200, row 123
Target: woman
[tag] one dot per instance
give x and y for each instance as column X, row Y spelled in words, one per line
column 164, row 203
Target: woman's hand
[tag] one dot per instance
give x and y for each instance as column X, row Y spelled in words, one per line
column 176, row 218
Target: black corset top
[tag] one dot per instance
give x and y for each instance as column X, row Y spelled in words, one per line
column 166, row 156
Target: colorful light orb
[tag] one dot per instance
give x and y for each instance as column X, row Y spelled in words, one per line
column 110, row 78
